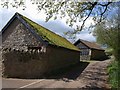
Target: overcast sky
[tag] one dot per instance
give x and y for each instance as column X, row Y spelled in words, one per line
column 58, row 26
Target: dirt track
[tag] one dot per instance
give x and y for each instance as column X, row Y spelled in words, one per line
column 94, row 76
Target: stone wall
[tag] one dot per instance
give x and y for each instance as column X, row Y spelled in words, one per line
column 18, row 36
column 61, row 57
column 95, row 55
column 85, row 57
column 36, row 64
column 23, row 63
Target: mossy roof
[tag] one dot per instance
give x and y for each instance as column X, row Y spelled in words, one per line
column 50, row 36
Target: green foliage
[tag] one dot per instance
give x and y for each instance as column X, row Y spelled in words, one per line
column 108, row 32
column 107, row 36
column 13, row 3
column 113, row 74
column 49, row 36
column 109, row 52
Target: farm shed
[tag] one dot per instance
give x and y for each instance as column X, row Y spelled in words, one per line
column 30, row 50
column 90, row 50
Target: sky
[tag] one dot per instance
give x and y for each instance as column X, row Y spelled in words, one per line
column 58, row 26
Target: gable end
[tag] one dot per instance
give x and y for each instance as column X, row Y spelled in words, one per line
column 31, row 30
column 16, row 16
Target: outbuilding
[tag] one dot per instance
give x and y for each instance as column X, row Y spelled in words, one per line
column 90, row 50
column 30, row 50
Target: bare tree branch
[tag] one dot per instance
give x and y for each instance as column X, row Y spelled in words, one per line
column 106, row 7
column 104, row 4
column 91, row 8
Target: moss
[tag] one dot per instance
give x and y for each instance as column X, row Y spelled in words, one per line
column 49, row 36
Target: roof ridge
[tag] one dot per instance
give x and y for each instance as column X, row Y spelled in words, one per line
column 86, row 41
column 92, row 45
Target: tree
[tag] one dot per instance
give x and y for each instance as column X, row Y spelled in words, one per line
column 74, row 11
column 108, row 32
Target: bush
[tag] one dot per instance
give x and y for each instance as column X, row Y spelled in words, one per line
column 113, row 74
column 109, row 52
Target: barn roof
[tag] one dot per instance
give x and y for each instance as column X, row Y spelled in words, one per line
column 46, row 35
column 91, row 45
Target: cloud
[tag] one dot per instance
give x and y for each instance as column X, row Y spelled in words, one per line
column 5, row 16
column 56, row 26
column 85, row 35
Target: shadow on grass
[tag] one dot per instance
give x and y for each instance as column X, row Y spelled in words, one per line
column 71, row 72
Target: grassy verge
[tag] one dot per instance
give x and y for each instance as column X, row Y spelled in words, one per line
column 113, row 74
column 88, row 61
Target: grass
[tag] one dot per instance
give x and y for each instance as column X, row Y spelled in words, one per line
column 89, row 61
column 49, row 36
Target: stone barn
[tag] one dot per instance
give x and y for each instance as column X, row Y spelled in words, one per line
column 31, row 51
column 90, row 50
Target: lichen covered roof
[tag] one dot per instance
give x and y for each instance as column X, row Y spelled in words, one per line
column 50, row 36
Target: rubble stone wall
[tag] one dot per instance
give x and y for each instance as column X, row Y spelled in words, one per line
column 35, row 64
column 18, row 36
column 20, row 62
